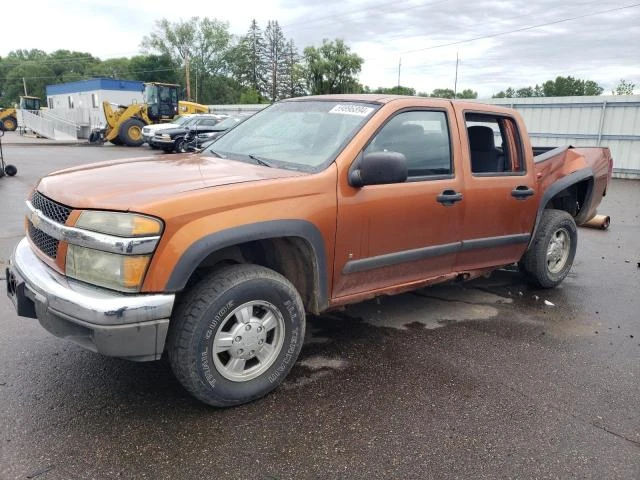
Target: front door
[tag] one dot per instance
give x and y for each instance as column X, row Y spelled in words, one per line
column 398, row 234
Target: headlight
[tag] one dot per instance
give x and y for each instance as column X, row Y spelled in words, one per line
column 119, row 224
column 118, row 272
column 107, row 269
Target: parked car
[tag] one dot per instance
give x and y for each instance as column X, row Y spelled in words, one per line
column 310, row 204
column 149, row 131
column 171, row 139
column 195, row 140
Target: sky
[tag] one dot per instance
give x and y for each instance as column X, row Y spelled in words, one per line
column 500, row 43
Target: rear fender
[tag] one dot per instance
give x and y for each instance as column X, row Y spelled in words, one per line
column 562, row 184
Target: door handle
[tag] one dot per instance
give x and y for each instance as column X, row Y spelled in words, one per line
column 521, row 192
column 449, row 197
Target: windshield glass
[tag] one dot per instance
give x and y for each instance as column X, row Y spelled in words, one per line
column 150, row 94
column 182, row 120
column 228, row 123
column 300, row 135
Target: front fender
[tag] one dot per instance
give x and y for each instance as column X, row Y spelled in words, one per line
column 202, row 248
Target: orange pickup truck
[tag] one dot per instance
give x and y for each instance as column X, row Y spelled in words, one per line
column 312, row 203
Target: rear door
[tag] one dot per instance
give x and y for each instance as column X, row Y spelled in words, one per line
column 500, row 193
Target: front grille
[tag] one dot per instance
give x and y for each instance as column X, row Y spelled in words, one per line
column 50, row 209
column 46, row 243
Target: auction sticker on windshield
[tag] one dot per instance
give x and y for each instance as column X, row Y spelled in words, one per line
column 350, row 109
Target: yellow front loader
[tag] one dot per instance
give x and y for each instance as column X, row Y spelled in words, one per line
column 8, row 116
column 124, row 124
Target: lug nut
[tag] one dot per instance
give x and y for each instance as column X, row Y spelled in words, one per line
column 240, row 351
column 238, row 338
column 247, row 328
column 260, row 342
column 252, row 352
column 259, row 329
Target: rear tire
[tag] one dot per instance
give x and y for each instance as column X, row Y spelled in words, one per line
column 131, row 132
column 116, row 141
column 236, row 334
column 550, row 256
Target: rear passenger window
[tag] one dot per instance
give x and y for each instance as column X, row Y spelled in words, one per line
column 422, row 137
column 494, row 144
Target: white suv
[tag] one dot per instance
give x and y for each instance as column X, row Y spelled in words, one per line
column 149, row 130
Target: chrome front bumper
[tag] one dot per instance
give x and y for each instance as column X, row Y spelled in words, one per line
column 112, row 323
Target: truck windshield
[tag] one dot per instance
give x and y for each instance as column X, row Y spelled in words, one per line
column 302, row 135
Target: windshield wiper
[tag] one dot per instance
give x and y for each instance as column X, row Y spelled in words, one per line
column 215, row 154
column 260, row 161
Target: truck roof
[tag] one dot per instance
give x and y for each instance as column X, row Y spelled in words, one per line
column 383, row 98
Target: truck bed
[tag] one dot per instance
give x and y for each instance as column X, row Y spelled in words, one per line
column 594, row 163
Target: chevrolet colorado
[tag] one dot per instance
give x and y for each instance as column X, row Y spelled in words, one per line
column 310, row 204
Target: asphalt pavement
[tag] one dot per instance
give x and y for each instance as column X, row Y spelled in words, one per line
column 487, row 379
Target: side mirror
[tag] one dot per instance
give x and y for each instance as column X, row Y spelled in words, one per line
column 379, row 168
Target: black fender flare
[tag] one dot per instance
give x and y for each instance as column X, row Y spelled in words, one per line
column 560, row 185
column 202, row 248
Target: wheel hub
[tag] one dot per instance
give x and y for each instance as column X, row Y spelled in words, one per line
column 558, row 250
column 248, row 339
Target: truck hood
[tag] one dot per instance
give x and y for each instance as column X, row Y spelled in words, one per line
column 132, row 183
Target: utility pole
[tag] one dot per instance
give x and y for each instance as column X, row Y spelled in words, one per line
column 399, row 67
column 186, row 76
column 455, row 84
column 24, row 84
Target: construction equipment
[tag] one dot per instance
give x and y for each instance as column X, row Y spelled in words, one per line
column 8, row 116
column 124, row 123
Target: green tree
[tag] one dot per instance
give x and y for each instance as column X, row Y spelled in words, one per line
column 154, row 68
column 332, row 68
column 569, row 86
column 246, row 59
column 624, row 88
column 201, row 42
column 36, row 77
column 467, row 93
column 112, row 68
column 249, row 97
column 524, row 92
column 293, row 81
column 443, row 93
column 398, row 90
column 275, row 61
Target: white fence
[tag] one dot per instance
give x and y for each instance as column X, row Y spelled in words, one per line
column 606, row 121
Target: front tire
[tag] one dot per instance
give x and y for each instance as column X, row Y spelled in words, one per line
column 9, row 124
column 131, row 132
column 550, row 256
column 236, row 334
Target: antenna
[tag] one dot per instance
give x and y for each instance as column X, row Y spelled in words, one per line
column 455, row 84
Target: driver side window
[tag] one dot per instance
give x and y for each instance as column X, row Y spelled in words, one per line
column 422, row 137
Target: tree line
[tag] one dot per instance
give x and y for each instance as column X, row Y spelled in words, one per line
column 565, row 87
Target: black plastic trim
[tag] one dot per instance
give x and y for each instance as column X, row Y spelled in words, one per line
column 560, row 185
column 491, row 242
column 202, row 248
column 389, row 259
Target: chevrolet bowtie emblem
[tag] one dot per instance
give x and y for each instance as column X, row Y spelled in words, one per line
column 35, row 218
